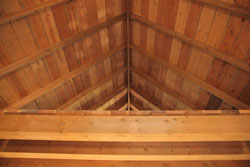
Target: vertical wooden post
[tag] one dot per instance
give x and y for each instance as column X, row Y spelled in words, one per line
column 128, row 51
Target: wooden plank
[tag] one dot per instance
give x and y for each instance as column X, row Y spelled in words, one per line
column 126, row 128
column 119, row 104
column 136, row 104
column 237, row 10
column 107, row 100
column 52, row 48
column 145, row 100
column 77, row 98
column 128, row 48
column 134, row 108
column 194, row 43
column 127, row 148
column 166, row 89
column 29, row 11
column 101, row 157
column 202, row 84
column 66, row 163
column 64, row 78
column 124, row 107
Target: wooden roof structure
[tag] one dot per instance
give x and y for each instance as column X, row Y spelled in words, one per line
column 72, row 60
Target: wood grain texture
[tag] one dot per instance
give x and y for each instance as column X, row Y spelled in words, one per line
column 84, row 128
column 99, row 157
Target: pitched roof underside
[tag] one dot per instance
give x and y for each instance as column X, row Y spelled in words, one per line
column 72, row 54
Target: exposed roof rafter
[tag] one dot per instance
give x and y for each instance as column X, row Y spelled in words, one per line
column 78, row 97
column 202, row 84
column 166, row 90
column 190, row 41
column 29, row 11
column 64, row 78
column 105, row 102
column 51, row 49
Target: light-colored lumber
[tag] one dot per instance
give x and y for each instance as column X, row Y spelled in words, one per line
column 51, row 49
column 64, row 78
column 202, row 84
column 126, row 128
column 95, row 157
column 145, row 112
column 194, row 43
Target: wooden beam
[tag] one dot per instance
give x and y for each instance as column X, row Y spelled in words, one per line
column 126, row 148
column 144, row 99
column 101, row 157
column 134, row 108
column 194, row 43
column 120, row 92
column 126, row 128
column 234, row 9
column 29, row 11
column 133, row 102
column 51, row 49
column 66, row 163
column 202, row 84
column 64, row 78
column 83, row 94
column 168, row 91
column 124, row 107
column 116, row 105
column 128, row 49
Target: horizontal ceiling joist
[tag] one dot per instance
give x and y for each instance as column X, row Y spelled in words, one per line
column 168, row 91
column 194, row 43
column 29, row 11
column 106, row 101
column 64, row 78
column 145, row 112
column 144, row 98
column 202, row 84
column 125, row 128
column 83, row 94
column 52, row 48
column 103, row 157
column 240, row 11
